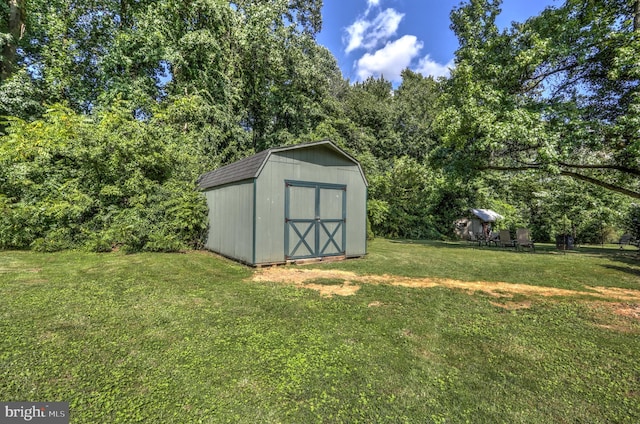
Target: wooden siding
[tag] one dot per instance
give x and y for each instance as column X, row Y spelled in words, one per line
column 231, row 221
column 313, row 164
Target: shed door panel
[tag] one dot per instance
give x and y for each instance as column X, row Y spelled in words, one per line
column 331, row 239
column 303, row 201
column 301, row 235
column 315, row 219
column 301, row 239
column 332, row 221
column 331, row 203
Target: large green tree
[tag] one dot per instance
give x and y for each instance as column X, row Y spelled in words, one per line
column 285, row 74
column 87, row 53
column 369, row 104
column 12, row 31
column 416, row 107
column 558, row 93
column 252, row 65
column 251, row 69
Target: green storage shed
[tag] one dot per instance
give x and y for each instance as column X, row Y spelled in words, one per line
column 288, row 203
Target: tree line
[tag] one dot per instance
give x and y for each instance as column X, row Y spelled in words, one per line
column 112, row 108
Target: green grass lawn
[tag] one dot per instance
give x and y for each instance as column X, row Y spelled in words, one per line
column 187, row 338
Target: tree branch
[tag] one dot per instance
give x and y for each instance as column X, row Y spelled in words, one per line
column 624, row 169
column 510, row 168
column 536, row 80
column 566, row 173
column 606, row 185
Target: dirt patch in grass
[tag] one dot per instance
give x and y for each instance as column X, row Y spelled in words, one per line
column 617, row 316
column 628, row 310
column 308, row 279
column 344, row 289
column 352, row 282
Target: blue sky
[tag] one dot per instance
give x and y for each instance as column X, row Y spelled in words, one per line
column 383, row 37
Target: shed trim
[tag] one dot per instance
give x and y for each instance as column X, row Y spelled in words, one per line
column 255, row 218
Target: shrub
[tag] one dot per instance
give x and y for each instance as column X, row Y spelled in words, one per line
column 97, row 242
column 163, row 242
column 68, row 181
column 56, row 240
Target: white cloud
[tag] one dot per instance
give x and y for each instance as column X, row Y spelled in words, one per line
column 384, row 26
column 427, row 67
column 356, row 33
column 368, row 34
column 390, row 60
column 371, row 4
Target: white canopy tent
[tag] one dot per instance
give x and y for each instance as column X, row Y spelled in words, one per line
column 486, row 215
column 477, row 224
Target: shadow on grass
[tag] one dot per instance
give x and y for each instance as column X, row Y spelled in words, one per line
column 628, row 256
column 456, row 245
column 625, row 269
column 468, row 245
column 629, row 263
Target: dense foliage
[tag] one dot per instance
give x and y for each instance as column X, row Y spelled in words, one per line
column 114, row 108
column 104, row 182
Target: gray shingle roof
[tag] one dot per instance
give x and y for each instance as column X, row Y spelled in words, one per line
column 241, row 170
column 251, row 166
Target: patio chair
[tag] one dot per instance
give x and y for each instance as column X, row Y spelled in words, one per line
column 472, row 238
column 505, row 239
column 523, row 239
column 493, row 238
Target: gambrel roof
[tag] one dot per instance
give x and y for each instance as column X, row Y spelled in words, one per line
column 250, row 167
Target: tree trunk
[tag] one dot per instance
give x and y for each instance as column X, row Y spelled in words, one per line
column 636, row 17
column 16, row 28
